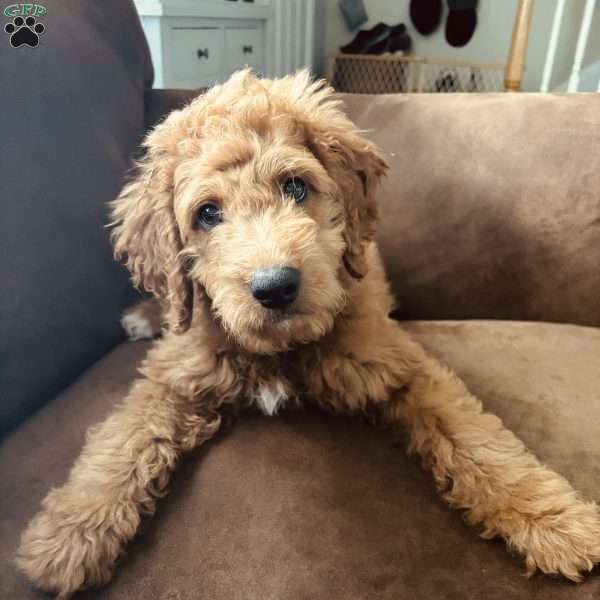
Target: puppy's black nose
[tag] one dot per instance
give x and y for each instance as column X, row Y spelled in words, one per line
column 276, row 287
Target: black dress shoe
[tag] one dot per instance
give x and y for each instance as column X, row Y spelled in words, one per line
column 365, row 39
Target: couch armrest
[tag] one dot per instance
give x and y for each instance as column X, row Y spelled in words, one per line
column 159, row 103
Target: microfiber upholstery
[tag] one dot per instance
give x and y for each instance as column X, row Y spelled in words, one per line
column 159, row 103
column 491, row 209
column 72, row 116
column 313, row 507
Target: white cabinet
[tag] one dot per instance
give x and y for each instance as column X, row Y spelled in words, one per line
column 244, row 46
column 197, row 43
column 195, row 55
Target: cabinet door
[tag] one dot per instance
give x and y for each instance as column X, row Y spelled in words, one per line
column 244, row 47
column 195, row 56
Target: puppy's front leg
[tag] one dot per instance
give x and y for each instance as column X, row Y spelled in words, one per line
column 74, row 541
column 483, row 468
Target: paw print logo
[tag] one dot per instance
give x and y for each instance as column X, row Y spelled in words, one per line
column 24, row 32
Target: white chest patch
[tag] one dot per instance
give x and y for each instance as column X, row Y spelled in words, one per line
column 271, row 396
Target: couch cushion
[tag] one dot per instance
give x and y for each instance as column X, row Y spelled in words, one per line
column 71, row 117
column 312, row 506
column 492, row 205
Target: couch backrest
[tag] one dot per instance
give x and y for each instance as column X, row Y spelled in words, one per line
column 72, row 114
column 492, row 205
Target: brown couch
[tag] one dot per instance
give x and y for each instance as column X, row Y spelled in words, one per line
column 491, row 236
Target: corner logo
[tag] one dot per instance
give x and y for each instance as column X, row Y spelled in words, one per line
column 25, row 28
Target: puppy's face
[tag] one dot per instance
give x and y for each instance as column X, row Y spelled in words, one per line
column 262, row 230
column 258, row 196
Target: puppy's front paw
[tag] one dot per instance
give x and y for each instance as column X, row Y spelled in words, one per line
column 567, row 543
column 62, row 552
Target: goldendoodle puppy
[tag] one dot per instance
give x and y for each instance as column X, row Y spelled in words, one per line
column 252, row 220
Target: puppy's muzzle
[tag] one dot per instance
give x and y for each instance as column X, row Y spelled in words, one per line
column 276, row 287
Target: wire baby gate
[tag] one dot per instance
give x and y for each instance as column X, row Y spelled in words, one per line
column 390, row 74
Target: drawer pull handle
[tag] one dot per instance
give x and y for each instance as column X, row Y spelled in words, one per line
column 247, row 49
column 202, row 53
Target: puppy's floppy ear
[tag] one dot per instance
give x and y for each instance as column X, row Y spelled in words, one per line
column 362, row 167
column 146, row 234
column 353, row 162
column 357, row 166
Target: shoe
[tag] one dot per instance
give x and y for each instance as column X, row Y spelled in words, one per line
column 461, row 22
column 365, row 39
column 426, row 15
column 397, row 40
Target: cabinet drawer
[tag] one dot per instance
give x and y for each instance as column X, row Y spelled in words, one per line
column 196, row 54
column 244, row 48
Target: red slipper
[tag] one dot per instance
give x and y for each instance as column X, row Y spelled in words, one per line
column 461, row 23
column 426, row 15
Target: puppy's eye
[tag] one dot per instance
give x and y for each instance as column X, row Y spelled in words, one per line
column 295, row 188
column 209, row 215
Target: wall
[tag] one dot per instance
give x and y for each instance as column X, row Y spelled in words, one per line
column 491, row 40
